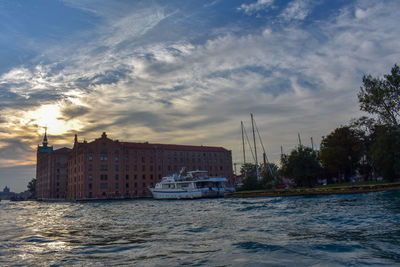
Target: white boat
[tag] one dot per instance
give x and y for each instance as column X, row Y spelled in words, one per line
column 196, row 184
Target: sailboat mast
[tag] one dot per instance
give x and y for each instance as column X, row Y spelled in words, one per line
column 255, row 147
column 299, row 139
column 244, row 153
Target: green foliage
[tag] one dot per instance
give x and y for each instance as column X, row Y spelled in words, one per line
column 341, row 150
column 382, row 96
column 302, row 165
column 251, row 183
column 270, row 176
column 32, row 187
column 248, row 169
column 267, row 181
column 385, row 152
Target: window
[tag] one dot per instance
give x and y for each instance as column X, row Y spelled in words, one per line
column 103, row 158
column 135, row 176
column 144, row 176
column 103, row 177
column 104, row 167
column 116, row 186
column 90, row 177
column 151, row 168
column 127, row 177
column 116, row 177
column 143, row 167
column 135, row 159
column 116, row 159
column 127, row 185
column 103, row 186
column 151, row 176
column 90, row 186
column 135, row 167
column 135, row 185
column 143, row 159
column 90, row 167
column 127, row 168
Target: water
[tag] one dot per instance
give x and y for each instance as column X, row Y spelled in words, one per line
column 336, row 230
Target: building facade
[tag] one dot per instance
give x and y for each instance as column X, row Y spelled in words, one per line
column 109, row 169
column 51, row 171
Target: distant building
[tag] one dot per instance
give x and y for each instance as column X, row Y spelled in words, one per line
column 6, row 194
column 51, row 171
column 109, row 169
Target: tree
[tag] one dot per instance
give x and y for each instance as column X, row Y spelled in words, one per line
column 302, row 165
column 382, row 96
column 269, row 175
column 365, row 128
column 250, row 182
column 32, row 187
column 341, row 151
column 385, row 152
column 248, row 169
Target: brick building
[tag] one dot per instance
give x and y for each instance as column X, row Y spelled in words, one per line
column 51, row 171
column 106, row 168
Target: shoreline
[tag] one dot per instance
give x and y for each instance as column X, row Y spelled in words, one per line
column 316, row 191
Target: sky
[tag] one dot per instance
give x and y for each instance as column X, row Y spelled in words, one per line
column 184, row 72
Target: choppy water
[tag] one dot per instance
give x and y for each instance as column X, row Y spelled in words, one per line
column 351, row 230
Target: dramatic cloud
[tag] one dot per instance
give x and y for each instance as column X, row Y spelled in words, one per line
column 189, row 73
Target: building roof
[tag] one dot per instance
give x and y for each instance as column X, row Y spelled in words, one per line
column 147, row 145
column 62, row 150
column 173, row 147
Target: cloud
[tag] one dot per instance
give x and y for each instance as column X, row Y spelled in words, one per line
column 129, row 79
column 255, row 7
column 296, row 10
column 74, row 111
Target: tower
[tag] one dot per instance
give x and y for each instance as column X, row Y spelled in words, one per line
column 45, row 147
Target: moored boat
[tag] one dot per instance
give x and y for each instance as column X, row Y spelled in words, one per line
column 196, row 184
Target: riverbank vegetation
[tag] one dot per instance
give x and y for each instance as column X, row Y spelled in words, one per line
column 367, row 149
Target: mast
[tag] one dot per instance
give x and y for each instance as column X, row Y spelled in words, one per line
column 312, row 143
column 255, row 147
column 244, row 153
column 299, row 139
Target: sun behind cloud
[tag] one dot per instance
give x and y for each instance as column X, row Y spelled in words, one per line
column 49, row 116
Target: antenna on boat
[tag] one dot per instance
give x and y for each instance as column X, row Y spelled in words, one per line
column 312, row 143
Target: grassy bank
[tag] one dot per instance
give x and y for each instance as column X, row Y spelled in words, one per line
column 327, row 190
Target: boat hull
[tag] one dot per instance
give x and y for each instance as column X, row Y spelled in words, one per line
column 175, row 194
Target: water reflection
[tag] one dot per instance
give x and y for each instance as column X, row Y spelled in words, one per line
column 327, row 230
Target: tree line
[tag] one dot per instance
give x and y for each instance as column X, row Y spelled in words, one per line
column 368, row 147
